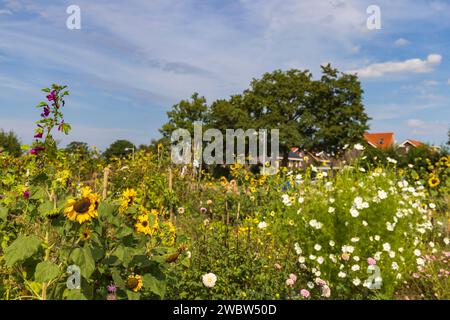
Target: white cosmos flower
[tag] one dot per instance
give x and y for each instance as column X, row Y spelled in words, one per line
column 301, row 259
column 377, row 238
column 301, row 200
column 356, row 281
column 262, row 225
column 446, row 241
column 394, row 265
column 386, row 246
column 417, row 253
column 364, row 223
column 310, row 284
column 354, row 213
column 320, row 260
column 358, row 147
column 420, row 261
column 354, row 239
column 297, row 248
column 317, row 247
column 382, row 194
column 391, row 160
column 331, row 210
column 355, row 267
column 312, row 257
column 331, row 243
column 432, row 206
column 342, row 274
column 209, row 280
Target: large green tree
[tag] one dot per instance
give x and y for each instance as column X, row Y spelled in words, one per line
column 184, row 114
column 119, row 148
column 10, row 142
column 319, row 115
column 338, row 112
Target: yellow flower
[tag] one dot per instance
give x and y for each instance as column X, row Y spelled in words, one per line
column 134, row 282
column 434, row 181
column 143, row 224
column 86, row 234
column 128, row 199
column 82, row 209
column 223, row 181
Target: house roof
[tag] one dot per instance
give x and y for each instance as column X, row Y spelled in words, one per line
column 415, row 143
column 381, row 140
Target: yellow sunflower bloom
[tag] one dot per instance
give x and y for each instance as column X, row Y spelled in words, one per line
column 434, row 182
column 143, row 225
column 134, row 282
column 84, row 208
column 128, row 199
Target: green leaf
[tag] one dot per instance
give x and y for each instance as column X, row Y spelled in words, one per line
column 105, row 209
column 74, row 294
column 133, row 295
column 46, row 271
column 155, row 285
column 83, row 258
column 3, row 213
column 46, row 90
column 22, row 248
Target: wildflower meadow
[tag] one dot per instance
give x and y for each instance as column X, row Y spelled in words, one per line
column 75, row 225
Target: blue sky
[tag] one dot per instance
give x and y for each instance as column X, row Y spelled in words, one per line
column 132, row 60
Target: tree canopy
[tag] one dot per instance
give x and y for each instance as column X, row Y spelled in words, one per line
column 10, row 142
column 119, row 148
column 318, row 115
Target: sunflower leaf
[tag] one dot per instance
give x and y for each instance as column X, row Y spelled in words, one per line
column 83, row 258
column 22, row 248
column 46, row 271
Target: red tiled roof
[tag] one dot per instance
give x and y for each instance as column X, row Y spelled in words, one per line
column 382, row 140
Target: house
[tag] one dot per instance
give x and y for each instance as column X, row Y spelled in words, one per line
column 381, row 140
column 408, row 144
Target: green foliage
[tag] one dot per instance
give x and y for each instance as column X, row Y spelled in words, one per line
column 119, row 148
column 10, row 143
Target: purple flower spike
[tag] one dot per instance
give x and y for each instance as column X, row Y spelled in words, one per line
column 111, row 288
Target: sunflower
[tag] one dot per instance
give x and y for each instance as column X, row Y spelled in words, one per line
column 84, row 208
column 134, row 282
column 128, row 199
column 445, row 161
column 86, row 234
column 143, row 225
column 434, row 181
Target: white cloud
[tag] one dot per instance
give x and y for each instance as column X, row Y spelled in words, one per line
column 423, row 127
column 401, row 42
column 408, row 66
column 448, row 81
column 430, row 83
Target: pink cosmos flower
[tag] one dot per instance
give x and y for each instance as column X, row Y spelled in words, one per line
column 304, row 293
column 293, row 277
column 290, row 282
column 203, row 210
column 326, row 291
column 371, row 261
